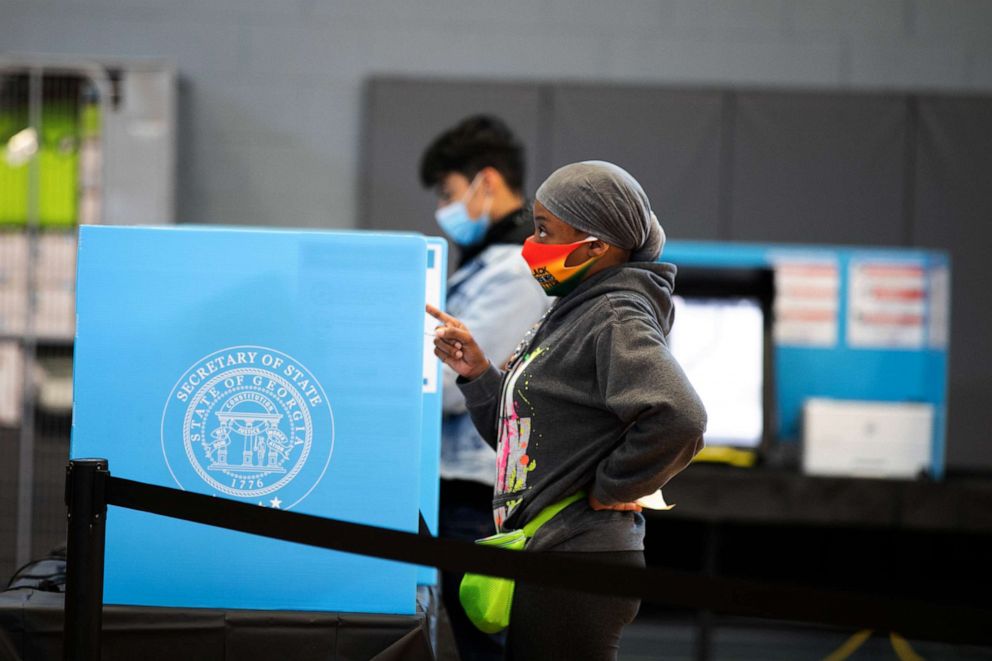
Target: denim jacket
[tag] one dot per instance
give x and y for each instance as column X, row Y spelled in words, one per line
column 494, row 294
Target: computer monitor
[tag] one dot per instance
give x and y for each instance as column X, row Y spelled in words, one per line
column 721, row 337
column 720, row 345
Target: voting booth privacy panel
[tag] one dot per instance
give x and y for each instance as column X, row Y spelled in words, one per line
column 864, row 328
column 279, row 368
column 430, row 448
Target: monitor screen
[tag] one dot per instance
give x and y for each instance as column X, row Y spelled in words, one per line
column 719, row 342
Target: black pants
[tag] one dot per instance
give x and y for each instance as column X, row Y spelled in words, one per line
column 466, row 513
column 548, row 624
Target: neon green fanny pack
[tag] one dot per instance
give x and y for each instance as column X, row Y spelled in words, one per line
column 487, row 599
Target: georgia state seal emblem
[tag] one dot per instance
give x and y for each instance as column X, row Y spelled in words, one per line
column 248, row 422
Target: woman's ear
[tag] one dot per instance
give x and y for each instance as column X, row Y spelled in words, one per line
column 598, row 248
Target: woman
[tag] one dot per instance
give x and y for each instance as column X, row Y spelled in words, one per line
column 590, row 401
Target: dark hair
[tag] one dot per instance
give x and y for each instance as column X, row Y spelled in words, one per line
column 476, row 142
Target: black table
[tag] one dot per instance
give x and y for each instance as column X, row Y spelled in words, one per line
column 777, row 496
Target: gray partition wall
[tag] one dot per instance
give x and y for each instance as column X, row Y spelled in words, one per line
column 820, row 168
column 852, row 168
column 403, row 116
column 953, row 211
column 671, row 141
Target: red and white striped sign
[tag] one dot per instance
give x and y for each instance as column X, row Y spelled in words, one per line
column 887, row 304
column 806, row 302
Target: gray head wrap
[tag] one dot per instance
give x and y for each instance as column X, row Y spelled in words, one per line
column 603, row 200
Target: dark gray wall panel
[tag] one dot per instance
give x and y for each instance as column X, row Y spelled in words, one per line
column 819, row 168
column 801, row 167
column 668, row 139
column 404, row 116
column 953, row 211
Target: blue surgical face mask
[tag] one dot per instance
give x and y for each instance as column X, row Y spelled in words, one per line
column 457, row 224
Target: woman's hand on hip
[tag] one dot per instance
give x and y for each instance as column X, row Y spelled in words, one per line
column 455, row 346
column 617, row 507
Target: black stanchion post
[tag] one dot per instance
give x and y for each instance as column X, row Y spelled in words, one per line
column 86, row 502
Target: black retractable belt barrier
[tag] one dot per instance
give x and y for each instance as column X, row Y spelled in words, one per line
column 85, row 500
column 911, row 618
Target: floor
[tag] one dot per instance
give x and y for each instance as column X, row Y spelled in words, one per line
column 657, row 637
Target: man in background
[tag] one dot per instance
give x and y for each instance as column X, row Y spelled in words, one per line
column 476, row 170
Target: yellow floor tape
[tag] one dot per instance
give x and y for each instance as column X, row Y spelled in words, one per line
column 899, row 645
column 850, row 646
column 902, row 648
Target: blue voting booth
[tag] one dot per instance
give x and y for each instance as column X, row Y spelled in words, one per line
column 279, row 368
column 849, row 323
column 430, row 449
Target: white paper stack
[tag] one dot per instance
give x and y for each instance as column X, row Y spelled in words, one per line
column 13, row 282
column 11, row 378
column 55, row 278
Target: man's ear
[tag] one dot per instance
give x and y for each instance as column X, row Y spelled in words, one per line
column 492, row 179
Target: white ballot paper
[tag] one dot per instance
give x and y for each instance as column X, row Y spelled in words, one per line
column 655, row 501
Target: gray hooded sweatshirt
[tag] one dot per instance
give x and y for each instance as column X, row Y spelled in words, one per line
column 594, row 401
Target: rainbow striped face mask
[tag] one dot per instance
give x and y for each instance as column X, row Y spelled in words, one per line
column 547, row 265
